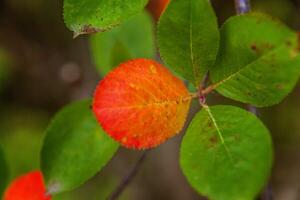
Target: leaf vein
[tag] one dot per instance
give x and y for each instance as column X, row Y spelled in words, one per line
column 247, row 66
column 191, row 45
column 228, row 153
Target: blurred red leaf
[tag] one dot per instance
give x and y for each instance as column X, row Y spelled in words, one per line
column 27, row 187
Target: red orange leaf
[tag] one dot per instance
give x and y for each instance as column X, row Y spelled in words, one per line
column 27, row 187
column 141, row 104
column 157, row 7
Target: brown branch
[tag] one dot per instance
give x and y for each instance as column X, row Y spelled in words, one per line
column 127, row 180
column 267, row 194
column 242, row 6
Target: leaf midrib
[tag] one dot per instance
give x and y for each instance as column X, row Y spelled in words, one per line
column 191, row 44
column 217, row 84
column 181, row 100
column 220, row 134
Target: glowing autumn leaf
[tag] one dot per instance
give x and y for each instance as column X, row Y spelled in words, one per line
column 141, row 104
column 27, row 187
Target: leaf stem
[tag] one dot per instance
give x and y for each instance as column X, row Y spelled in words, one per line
column 209, row 89
column 126, row 181
column 194, row 95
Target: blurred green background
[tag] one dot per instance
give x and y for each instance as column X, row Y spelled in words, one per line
column 42, row 68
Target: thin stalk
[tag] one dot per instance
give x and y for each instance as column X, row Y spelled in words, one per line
column 127, row 180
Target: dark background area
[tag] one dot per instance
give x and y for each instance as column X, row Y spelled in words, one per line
column 42, row 68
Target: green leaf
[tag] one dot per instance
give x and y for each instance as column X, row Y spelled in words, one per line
column 89, row 16
column 226, row 153
column 3, row 172
column 75, row 148
column 123, row 43
column 188, row 38
column 258, row 61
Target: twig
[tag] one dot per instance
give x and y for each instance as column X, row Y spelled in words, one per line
column 243, row 6
column 267, row 194
column 209, row 89
column 202, row 86
column 252, row 109
column 126, row 181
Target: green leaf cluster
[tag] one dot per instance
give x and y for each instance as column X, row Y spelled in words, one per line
column 254, row 59
column 226, row 153
column 75, row 146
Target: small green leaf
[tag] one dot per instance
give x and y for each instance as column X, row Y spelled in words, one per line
column 258, row 61
column 124, row 42
column 226, row 153
column 3, row 172
column 75, row 148
column 188, row 38
column 89, row 16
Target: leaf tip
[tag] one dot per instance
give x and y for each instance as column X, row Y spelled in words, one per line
column 86, row 29
column 53, row 188
column 76, row 34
